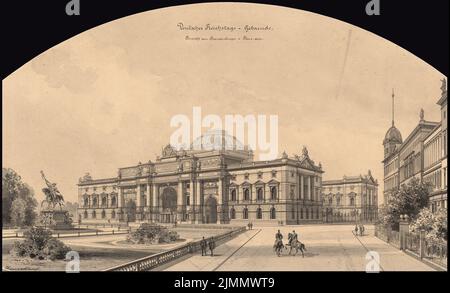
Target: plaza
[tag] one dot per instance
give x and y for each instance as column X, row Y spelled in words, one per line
column 329, row 248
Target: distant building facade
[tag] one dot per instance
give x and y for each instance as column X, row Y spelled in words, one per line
column 351, row 199
column 423, row 155
column 206, row 186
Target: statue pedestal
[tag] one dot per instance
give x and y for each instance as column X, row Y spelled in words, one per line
column 56, row 219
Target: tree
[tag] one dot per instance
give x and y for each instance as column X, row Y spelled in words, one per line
column 13, row 188
column 409, row 199
column 18, row 210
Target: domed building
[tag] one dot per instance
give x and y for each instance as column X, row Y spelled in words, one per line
column 214, row 180
column 421, row 155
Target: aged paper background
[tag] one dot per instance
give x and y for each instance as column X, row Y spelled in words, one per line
column 104, row 99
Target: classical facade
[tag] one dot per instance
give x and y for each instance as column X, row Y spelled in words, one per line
column 206, row 186
column 422, row 155
column 435, row 158
column 351, row 199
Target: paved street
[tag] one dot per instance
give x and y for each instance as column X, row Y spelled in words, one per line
column 329, row 248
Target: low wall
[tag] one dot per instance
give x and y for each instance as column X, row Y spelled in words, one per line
column 155, row 260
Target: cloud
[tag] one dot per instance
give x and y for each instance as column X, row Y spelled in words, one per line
column 60, row 70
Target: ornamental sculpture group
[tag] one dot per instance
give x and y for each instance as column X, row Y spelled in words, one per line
column 50, row 216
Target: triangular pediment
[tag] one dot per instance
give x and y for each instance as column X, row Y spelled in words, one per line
column 307, row 163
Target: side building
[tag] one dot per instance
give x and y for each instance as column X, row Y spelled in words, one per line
column 422, row 155
column 206, row 186
column 351, row 199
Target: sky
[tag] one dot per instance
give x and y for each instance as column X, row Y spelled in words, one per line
column 104, row 99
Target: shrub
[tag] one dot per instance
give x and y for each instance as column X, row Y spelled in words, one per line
column 434, row 225
column 151, row 234
column 39, row 243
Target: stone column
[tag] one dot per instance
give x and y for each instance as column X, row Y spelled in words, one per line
column 148, row 198
column 180, row 204
column 192, row 201
column 138, row 196
column 155, row 207
column 220, row 191
column 302, row 189
column 119, row 198
column 309, row 187
column 198, row 203
column 220, row 200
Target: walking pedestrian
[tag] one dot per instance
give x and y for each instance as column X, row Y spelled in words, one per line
column 203, row 246
column 212, row 245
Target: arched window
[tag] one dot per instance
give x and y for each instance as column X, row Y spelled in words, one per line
column 259, row 213
column 293, row 213
column 104, row 201
column 246, row 194
column 103, row 214
column 94, row 215
column 338, row 200
column 273, row 213
column 307, row 214
column 113, row 201
column 85, row 214
column 330, row 201
column 245, row 213
column 94, row 201
column 233, row 195
column 233, row 213
column 273, row 192
column 260, row 193
column 352, row 201
column 317, row 213
column 86, row 201
column 113, row 214
column 301, row 213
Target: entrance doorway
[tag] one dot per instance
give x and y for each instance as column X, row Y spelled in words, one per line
column 211, row 210
column 130, row 211
column 169, row 205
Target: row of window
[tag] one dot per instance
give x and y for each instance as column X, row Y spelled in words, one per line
column 103, row 201
column 433, row 151
column 103, row 215
column 434, row 179
column 273, row 213
column 392, row 166
column 273, row 190
column 307, row 214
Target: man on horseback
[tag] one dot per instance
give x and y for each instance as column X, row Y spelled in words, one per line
column 278, row 236
column 278, row 245
column 293, row 238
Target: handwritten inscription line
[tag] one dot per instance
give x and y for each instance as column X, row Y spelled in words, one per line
column 228, row 28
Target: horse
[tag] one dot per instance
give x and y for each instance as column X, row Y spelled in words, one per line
column 278, row 247
column 297, row 245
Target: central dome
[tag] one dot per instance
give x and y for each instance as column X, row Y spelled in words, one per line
column 393, row 135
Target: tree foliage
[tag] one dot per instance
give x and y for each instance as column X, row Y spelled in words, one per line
column 434, row 225
column 409, row 199
column 14, row 189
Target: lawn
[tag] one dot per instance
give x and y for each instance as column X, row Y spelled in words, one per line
column 95, row 258
column 91, row 259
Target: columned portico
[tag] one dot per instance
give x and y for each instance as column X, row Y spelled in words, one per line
column 195, row 186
